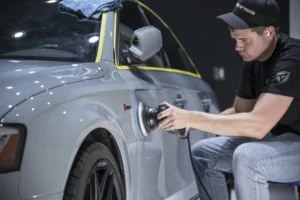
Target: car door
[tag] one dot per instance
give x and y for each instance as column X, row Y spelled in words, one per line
column 163, row 157
column 196, row 92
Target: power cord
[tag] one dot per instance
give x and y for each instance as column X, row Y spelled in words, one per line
column 190, row 152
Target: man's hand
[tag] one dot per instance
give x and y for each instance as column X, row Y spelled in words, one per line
column 185, row 134
column 174, row 118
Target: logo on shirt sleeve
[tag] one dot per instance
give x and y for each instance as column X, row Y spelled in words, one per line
column 282, row 76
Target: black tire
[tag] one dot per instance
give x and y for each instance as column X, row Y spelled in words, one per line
column 94, row 160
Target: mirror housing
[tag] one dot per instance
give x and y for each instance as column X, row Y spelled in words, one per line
column 145, row 43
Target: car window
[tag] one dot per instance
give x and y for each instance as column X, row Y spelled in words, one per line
column 175, row 55
column 131, row 19
column 37, row 30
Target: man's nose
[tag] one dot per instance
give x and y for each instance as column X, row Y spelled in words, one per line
column 239, row 46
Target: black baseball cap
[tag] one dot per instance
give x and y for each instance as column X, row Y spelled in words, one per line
column 253, row 13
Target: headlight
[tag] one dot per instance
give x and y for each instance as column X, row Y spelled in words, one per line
column 12, row 140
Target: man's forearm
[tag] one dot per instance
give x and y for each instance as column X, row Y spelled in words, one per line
column 240, row 124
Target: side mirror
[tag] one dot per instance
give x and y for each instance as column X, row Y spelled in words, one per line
column 145, row 43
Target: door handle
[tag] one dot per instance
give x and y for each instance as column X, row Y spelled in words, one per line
column 180, row 102
column 206, row 104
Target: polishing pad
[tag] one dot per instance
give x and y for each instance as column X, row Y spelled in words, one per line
column 141, row 114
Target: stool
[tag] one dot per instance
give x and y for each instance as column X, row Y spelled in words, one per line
column 295, row 184
column 230, row 186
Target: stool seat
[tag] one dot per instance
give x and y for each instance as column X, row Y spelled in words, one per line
column 297, row 183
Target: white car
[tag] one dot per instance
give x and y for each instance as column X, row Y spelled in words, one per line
column 69, row 93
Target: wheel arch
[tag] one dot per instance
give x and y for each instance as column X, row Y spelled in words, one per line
column 105, row 137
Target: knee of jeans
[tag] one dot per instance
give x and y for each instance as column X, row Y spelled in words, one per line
column 243, row 155
column 199, row 150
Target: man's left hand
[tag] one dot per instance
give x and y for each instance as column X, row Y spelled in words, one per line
column 185, row 134
column 174, row 118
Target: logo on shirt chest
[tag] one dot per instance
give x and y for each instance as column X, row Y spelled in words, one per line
column 282, row 76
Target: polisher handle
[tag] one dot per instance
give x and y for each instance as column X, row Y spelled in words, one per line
column 162, row 108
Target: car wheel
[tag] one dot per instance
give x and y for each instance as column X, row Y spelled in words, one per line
column 94, row 175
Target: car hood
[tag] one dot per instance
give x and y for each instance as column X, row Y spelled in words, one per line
column 21, row 80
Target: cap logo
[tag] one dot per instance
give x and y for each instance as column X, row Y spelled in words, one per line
column 282, row 76
column 245, row 9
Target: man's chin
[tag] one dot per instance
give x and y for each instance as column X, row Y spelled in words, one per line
column 247, row 59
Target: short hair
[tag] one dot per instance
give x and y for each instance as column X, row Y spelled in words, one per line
column 259, row 29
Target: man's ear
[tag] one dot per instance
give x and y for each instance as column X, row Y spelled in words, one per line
column 270, row 31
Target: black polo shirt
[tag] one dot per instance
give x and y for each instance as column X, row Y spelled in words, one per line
column 280, row 74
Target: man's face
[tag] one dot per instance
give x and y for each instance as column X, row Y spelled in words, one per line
column 249, row 44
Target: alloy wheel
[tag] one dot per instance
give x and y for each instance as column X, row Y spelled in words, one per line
column 102, row 183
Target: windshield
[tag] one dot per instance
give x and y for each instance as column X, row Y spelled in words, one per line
column 37, row 30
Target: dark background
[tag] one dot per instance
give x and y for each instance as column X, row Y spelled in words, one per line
column 207, row 39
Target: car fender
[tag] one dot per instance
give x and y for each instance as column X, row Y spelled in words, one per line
column 56, row 131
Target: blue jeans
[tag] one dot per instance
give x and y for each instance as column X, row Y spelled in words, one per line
column 253, row 163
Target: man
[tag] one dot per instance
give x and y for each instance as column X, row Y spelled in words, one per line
column 260, row 135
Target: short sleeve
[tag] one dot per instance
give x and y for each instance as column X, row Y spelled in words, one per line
column 246, row 89
column 285, row 79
